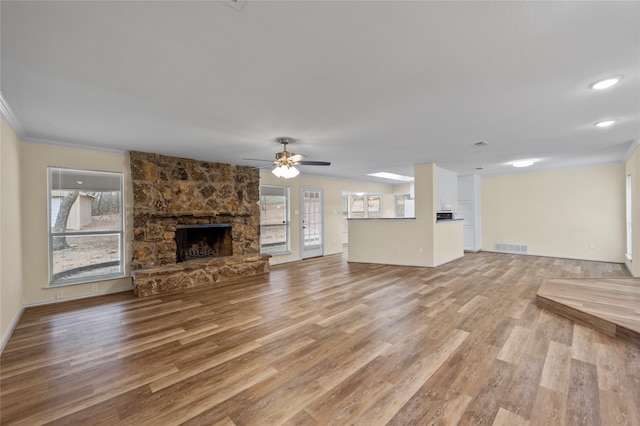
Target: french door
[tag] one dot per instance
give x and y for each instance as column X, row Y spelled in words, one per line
column 312, row 229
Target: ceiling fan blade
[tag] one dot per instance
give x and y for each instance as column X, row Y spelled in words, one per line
column 313, row 163
column 256, row 159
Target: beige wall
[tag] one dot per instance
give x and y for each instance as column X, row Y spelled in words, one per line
column 334, row 237
column 632, row 167
column 35, row 159
column 10, row 226
column 390, row 241
column 578, row 213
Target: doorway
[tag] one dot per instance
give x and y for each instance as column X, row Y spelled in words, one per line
column 312, row 222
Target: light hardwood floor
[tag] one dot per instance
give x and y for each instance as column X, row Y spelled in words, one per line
column 323, row 342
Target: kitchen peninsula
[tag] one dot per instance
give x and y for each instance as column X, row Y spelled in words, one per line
column 419, row 241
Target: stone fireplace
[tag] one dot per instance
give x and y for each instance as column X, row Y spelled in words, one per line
column 195, row 223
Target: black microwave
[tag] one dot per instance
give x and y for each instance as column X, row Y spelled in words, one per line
column 444, row 215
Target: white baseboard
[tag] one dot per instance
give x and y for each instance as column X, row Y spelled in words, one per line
column 448, row 260
column 9, row 332
column 555, row 256
column 82, row 296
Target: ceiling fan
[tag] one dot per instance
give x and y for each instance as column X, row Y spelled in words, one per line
column 285, row 161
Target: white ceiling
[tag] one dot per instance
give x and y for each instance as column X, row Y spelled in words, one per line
column 370, row 86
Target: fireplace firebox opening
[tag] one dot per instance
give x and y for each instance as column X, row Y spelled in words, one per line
column 202, row 241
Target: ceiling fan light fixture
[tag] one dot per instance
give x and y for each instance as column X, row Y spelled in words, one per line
column 283, row 171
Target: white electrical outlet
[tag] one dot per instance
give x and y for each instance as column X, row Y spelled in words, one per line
column 59, row 294
column 94, row 287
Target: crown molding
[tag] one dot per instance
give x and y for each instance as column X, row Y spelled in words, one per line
column 73, row 145
column 8, row 115
column 632, row 147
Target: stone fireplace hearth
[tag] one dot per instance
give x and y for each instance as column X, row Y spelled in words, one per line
column 195, row 223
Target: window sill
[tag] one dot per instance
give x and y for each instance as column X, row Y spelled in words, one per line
column 87, row 280
column 279, row 253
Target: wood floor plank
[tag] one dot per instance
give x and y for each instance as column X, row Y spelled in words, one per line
column 555, row 374
column 507, row 418
column 515, row 345
column 325, row 342
column 583, row 390
column 583, row 346
column 549, row 408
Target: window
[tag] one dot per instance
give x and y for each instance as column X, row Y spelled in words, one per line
column 274, row 219
column 629, row 218
column 374, row 206
column 85, row 226
column 361, row 206
column 400, row 204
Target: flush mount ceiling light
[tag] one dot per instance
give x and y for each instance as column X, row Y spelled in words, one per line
column 605, row 123
column 606, row 83
column 392, row 176
column 523, row 163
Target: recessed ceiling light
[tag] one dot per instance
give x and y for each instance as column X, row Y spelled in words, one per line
column 606, row 83
column 523, row 163
column 605, row 123
column 392, row 176
column 79, row 182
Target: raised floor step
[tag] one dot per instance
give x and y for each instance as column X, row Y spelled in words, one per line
column 609, row 305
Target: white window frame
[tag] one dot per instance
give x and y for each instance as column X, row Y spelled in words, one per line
column 286, row 223
column 365, row 204
column 87, row 277
column 397, row 197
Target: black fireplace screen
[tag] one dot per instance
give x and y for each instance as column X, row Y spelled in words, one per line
column 199, row 241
